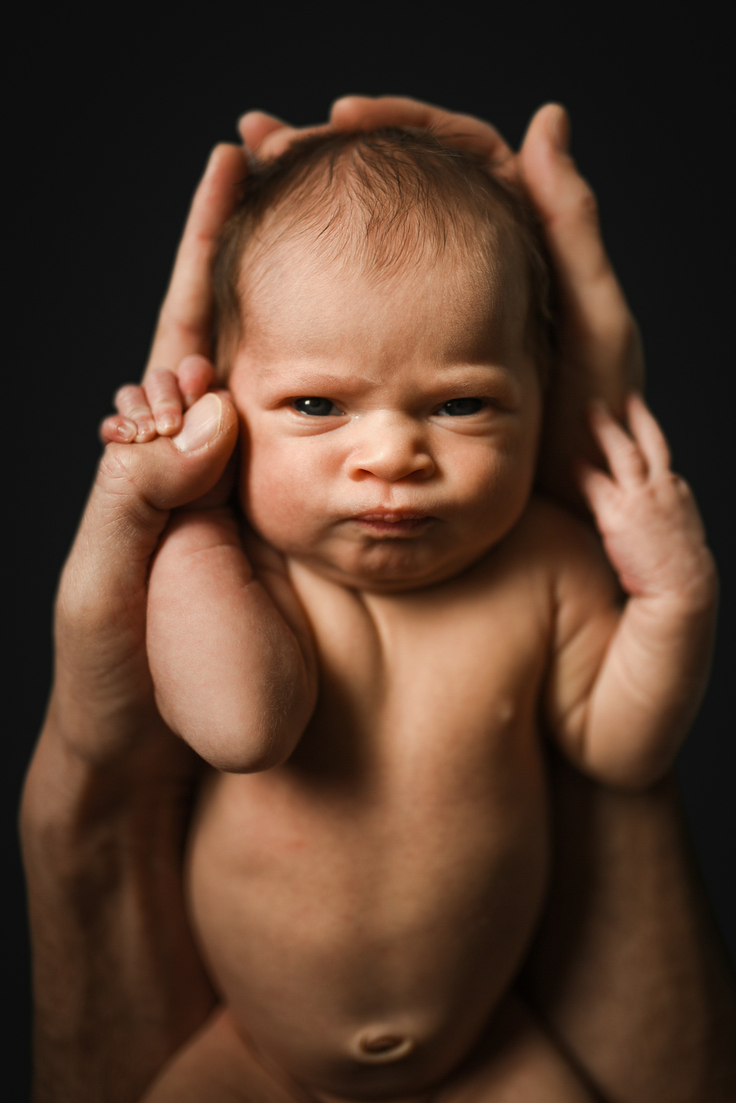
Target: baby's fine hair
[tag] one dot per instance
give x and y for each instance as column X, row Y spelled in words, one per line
column 390, row 200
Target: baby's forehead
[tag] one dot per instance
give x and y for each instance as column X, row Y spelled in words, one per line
column 393, row 207
column 305, row 302
column 312, row 317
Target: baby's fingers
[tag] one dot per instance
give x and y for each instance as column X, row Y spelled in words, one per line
column 118, row 429
column 627, row 462
column 599, row 491
column 170, row 393
column 164, row 401
column 131, row 402
column 156, row 407
column 648, row 435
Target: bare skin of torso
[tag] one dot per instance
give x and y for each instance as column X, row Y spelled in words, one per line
column 364, row 907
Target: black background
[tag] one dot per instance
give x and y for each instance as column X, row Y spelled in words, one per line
column 108, row 126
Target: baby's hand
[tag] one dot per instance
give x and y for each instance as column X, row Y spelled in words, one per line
column 155, row 407
column 646, row 514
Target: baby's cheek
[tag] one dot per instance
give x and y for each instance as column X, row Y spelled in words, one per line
column 275, row 497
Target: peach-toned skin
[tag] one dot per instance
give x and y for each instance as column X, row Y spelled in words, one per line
column 373, row 664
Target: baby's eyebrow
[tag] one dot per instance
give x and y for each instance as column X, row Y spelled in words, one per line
column 304, row 382
column 313, row 377
column 311, row 380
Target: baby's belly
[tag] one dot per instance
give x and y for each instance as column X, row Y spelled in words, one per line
column 362, row 935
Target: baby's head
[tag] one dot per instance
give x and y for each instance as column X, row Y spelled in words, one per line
column 383, row 325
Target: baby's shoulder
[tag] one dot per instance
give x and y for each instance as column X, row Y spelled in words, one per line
column 549, row 538
column 553, row 552
column 567, row 553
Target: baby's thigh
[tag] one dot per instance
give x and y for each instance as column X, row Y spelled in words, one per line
column 517, row 1063
column 215, row 1066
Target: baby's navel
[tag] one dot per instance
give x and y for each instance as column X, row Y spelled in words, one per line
column 378, row 1044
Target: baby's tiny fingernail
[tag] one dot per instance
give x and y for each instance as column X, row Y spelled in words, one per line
column 165, row 423
column 126, row 430
column 146, row 428
column 201, row 424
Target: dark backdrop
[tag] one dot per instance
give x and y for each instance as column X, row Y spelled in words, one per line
column 108, row 126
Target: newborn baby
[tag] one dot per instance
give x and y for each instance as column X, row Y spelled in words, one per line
column 372, row 655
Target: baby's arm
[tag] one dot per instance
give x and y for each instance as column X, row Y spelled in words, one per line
column 624, row 720
column 228, row 644
column 229, row 648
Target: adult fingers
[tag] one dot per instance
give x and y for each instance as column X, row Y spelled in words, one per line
column 593, row 302
column 255, row 126
column 269, row 137
column 194, row 375
column 185, row 319
column 134, row 491
column 465, row 131
column 136, row 485
column 265, row 135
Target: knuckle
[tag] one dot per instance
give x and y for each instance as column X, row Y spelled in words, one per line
column 158, row 375
column 122, row 472
column 128, row 393
column 160, row 382
column 180, row 325
column 587, row 204
column 118, row 468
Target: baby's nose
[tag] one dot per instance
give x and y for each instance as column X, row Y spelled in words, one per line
column 391, row 447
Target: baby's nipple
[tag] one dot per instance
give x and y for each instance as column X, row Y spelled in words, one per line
column 378, row 1044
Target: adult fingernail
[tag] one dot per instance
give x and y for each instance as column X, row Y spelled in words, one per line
column 201, row 424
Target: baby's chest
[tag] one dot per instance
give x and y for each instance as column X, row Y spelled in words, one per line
column 453, row 676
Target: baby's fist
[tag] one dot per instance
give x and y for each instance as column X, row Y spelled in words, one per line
column 156, row 406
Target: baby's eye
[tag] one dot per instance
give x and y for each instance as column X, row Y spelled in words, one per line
column 317, row 407
column 461, row 407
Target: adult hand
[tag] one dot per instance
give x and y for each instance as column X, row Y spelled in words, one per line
column 118, row 982
column 600, row 354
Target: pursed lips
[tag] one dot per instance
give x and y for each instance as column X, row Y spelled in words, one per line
column 392, row 522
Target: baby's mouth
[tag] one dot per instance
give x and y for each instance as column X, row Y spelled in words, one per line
column 392, row 522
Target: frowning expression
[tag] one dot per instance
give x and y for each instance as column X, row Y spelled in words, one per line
column 390, row 420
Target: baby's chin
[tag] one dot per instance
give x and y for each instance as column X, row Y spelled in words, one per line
column 389, row 569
